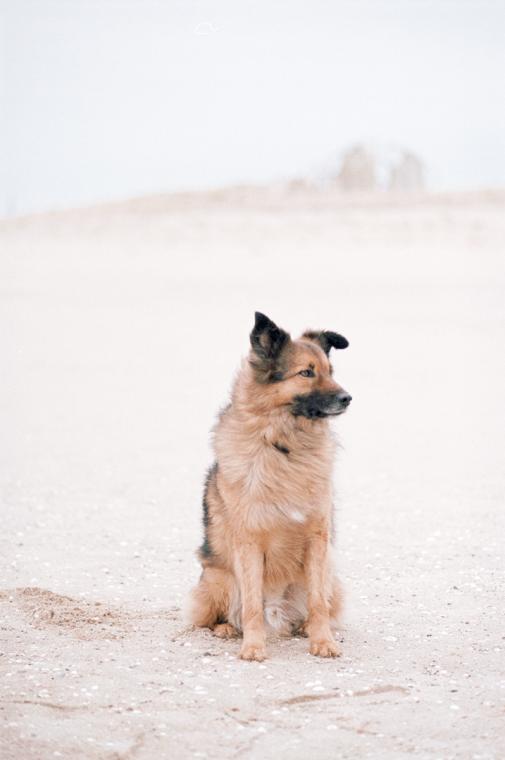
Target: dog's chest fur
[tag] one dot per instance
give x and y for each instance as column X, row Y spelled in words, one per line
column 275, row 474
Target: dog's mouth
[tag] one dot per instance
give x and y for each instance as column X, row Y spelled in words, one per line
column 329, row 413
column 318, row 405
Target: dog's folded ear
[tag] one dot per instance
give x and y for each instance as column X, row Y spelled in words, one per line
column 267, row 340
column 327, row 339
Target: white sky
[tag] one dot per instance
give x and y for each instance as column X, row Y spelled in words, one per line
column 113, row 98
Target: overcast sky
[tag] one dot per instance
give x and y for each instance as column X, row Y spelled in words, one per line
column 113, row 98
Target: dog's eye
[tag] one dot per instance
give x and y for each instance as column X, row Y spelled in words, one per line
column 307, row 373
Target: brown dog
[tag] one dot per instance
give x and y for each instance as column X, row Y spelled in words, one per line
column 267, row 507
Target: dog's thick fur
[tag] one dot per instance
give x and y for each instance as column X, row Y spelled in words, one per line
column 267, row 507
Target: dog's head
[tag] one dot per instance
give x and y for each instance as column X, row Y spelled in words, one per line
column 297, row 373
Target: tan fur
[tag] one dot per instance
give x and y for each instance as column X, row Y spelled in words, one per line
column 270, row 513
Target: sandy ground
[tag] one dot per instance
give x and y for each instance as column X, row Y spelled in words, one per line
column 121, row 329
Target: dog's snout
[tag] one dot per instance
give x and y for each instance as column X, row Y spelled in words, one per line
column 344, row 398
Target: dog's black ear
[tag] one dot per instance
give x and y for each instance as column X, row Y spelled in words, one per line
column 267, row 340
column 327, row 339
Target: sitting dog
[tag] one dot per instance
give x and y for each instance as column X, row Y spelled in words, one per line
column 267, row 506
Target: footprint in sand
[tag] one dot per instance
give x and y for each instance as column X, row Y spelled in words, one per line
column 84, row 619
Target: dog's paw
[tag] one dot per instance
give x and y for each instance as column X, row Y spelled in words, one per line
column 225, row 631
column 325, row 648
column 255, row 652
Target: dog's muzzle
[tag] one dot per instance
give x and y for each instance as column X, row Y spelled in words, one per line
column 316, row 404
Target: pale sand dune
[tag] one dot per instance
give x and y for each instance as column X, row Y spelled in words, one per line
column 121, row 329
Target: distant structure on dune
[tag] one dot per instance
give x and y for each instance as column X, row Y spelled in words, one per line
column 367, row 170
column 407, row 175
column 357, row 171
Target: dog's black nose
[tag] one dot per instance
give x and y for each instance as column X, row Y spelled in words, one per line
column 344, row 398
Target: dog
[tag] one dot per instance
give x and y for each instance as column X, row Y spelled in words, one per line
column 267, row 506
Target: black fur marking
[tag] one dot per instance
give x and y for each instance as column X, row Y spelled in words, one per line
column 327, row 339
column 206, row 548
column 281, row 448
column 314, row 405
column 267, row 342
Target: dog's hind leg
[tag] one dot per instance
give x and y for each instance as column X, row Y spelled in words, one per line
column 334, row 604
column 209, row 605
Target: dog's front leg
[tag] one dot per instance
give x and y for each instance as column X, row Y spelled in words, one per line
column 317, row 577
column 249, row 569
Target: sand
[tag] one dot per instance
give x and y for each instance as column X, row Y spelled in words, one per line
column 122, row 326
